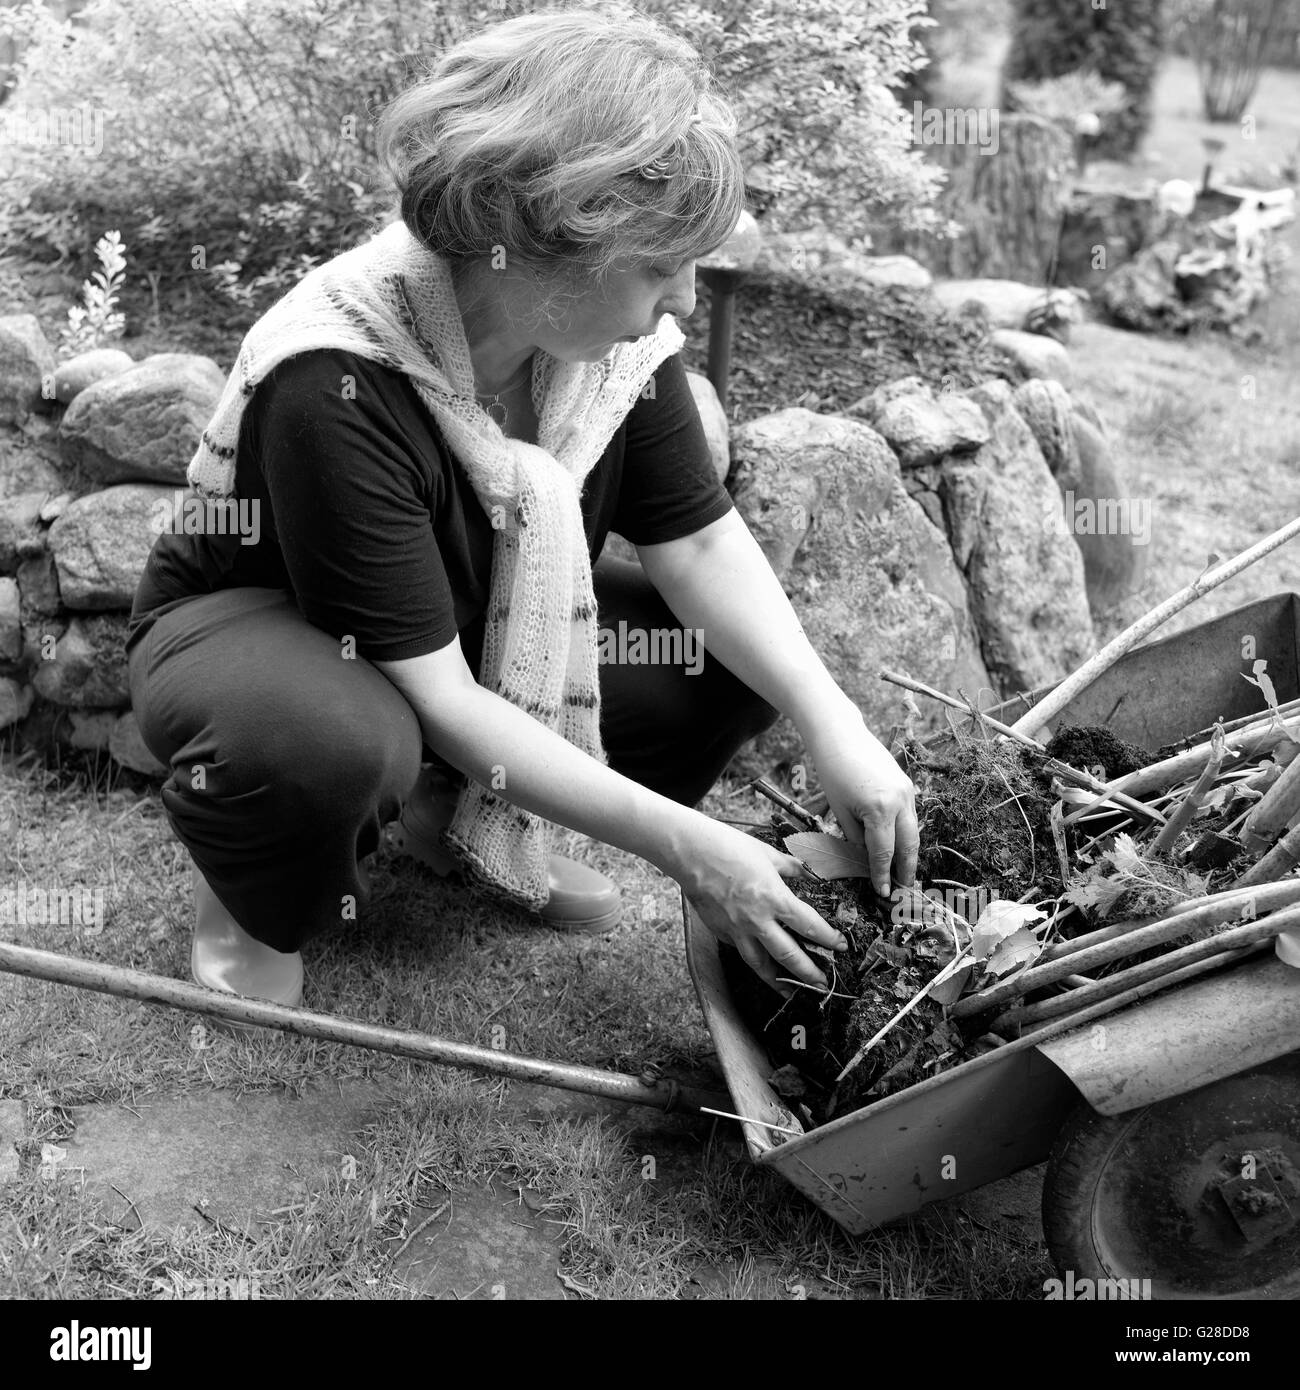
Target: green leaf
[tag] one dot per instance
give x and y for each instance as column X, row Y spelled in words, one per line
column 828, row 856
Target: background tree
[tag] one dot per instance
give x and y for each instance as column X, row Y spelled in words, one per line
column 1119, row 40
column 1230, row 41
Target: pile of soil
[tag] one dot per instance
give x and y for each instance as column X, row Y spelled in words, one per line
column 984, row 812
column 798, row 342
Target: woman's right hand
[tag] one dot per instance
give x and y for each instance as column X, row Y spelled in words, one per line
column 736, row 884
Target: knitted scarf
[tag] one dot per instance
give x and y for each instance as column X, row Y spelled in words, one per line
column 391, row 301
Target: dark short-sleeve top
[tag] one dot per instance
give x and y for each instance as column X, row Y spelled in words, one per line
column 371, row 523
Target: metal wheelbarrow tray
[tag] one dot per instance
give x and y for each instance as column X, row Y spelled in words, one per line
column 1003, row 1111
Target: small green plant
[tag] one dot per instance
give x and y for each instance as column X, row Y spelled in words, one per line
column 96, row 319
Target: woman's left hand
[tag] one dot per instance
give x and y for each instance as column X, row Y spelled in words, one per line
column 873, row 800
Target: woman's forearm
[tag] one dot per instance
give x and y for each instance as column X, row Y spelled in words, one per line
column 499, row 746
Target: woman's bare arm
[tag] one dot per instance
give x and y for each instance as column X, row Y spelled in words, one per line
column 735, row 882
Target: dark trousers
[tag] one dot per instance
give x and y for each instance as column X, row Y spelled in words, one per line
column 286, row 760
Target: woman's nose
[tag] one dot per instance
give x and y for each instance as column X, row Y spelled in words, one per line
column 680, row 297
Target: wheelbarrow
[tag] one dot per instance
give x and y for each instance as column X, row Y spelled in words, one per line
column 1171, row 1133
column 1149, row 1135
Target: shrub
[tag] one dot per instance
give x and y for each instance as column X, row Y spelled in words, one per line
column 239, row 134
column 1120, row 42
column 1229, row 41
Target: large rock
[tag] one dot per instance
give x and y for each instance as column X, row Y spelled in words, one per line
column 828, row 258
column 128, row 747
column 101, row 542
column 88, row 669
column 1007, row 303
column 26, row 366
column 1111, row 526
column 714, row 420
column 1024, row 573
column 1046, row 407
column 20, row 529
column 11, row 627
column 15, row 701
column 73, row 376
column 1035, row 354
column 919, row 426
column 870, row 577
column 143, row 424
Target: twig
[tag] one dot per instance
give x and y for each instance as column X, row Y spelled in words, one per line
column 950, row 969
column 745, row 1119
column 1143, row 939
column 1249, row 934
column 1179, row 821
column 788, row 805
column 1052, row 765
column 423, row 1226
column 135, row 1211
column 1056, row 700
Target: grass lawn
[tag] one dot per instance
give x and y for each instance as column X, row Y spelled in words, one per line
column 1218, row 462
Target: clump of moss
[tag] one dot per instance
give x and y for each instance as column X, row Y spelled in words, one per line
column 1090, row 747
column 984, row 812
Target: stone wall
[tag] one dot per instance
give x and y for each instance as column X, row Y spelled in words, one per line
column 920, row 530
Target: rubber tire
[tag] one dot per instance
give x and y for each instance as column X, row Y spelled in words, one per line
column 1091, row 1146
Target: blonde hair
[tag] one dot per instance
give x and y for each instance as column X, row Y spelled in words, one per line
column 576, row 135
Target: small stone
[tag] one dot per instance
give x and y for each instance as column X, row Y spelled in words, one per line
column 11, row 628
column 127, row 745
column 72, row 378
column 26, row 364
column 101, row 544
column 15, row 701
column 88, row 670
column 143, row 424
column 90, row 729
column 55, row 507
column 39, row 585
column 922, row 427
column 20, row 534
column 714, row 420
column 1035, row 353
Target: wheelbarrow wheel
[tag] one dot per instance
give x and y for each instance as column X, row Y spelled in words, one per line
column 1200, row 1194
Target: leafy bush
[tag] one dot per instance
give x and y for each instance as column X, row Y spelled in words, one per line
column 1120, row 43
column 239, row 134
column 97, row 319
column 1229, row 41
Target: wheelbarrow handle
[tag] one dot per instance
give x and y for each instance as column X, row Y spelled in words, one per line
column 662, row 1093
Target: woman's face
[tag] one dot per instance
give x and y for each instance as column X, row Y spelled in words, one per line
column 628, row 305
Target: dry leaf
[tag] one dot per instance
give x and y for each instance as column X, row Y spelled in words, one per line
column 828, row 856
column 949, row 990
column 1013, row 952
column 999, row 920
